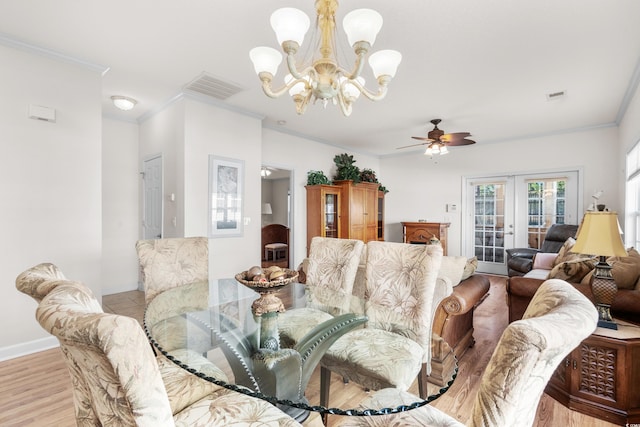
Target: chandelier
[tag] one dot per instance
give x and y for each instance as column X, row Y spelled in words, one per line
column 321, row 77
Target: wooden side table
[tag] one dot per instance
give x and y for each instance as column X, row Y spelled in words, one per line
column 601, row 377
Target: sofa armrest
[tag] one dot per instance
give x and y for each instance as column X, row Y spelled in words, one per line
column 466, row 295
column 528, row 253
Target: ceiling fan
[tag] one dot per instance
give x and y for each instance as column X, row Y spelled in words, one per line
column 437, row 141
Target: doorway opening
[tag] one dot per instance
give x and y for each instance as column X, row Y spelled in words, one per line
column 276, row 215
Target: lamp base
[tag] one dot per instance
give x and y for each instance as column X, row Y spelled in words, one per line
column 604, row 317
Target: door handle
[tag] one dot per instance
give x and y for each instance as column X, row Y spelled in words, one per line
column 509, row 233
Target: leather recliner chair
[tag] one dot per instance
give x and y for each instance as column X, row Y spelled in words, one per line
column 520, row 260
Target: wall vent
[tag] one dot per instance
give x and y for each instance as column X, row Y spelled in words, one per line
column 214, row 87
column 556, row 95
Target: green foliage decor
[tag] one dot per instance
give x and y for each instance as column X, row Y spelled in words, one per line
column 346, row 170
column 317, row 178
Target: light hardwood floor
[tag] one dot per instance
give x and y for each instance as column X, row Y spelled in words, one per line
column 35, row 390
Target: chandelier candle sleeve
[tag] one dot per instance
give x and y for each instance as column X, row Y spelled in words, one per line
column 322, row 77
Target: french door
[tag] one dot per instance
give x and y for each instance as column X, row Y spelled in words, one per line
column 504, row 212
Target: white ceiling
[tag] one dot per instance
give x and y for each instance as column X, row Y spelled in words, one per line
column 483, row 66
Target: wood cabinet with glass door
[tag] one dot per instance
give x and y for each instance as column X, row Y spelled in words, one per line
column 323, row 211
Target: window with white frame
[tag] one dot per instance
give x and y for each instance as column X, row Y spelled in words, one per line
column 632, row 195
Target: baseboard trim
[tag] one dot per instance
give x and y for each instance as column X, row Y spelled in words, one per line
column 26, row 348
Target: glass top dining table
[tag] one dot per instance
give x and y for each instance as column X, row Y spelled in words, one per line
column 236, row 329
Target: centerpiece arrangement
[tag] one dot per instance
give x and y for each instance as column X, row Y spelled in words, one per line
column 267, row 281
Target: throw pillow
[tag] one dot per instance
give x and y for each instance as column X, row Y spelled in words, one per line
column 626, row 270
column 565, row 254
column 573, row 270
column 452, row 267
column 544, row 261
column 470, row 268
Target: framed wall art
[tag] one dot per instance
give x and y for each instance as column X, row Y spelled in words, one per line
column 226, row 187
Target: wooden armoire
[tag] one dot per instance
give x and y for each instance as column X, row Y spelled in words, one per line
column 356, row 206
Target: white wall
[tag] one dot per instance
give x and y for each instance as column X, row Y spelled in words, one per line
column 163, row 133
column 51, row 176
column 120, row 213
column 421, row 187
column 213, row 130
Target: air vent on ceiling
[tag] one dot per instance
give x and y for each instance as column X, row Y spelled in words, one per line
column 213, row 87
column 556, row 95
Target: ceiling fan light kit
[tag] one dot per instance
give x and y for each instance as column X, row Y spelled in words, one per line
column 321, row 77
column 437, row 141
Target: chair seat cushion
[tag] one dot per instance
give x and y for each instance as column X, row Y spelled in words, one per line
column 294, row 324
column 363, row 356
column 184, row 388
column 229, row 408
column 426, row 415
column 276, row 246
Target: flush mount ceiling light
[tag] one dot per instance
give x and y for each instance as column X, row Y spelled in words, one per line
column 320, row 76
column 123, row 102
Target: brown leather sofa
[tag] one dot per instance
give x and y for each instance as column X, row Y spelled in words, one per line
column 520, row 290
column 453, row 323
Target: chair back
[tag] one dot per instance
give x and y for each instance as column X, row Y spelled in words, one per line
column 556, row 235
column 171, row 262
column 558, row 318
column 115, row 376
column 39, row 280
column 400, row 286
column 332, row 266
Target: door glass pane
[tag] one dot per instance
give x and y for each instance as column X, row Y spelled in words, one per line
column 331, row 215
column 546, row 206
column 489, row 222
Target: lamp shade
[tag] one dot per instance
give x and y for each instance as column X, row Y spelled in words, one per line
column 290, row 23
column 385, row 62
column 265, row 59
column 599, row 234
column 362, row 25
column 266, row 209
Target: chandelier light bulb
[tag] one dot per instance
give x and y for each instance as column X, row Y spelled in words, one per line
column 265, row 59
column 385, row 62
column 290, row 23
column 362, row 25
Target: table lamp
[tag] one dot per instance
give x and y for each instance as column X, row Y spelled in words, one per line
column 599, row 234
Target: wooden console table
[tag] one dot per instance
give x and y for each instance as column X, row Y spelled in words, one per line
column 601, row 377
column 422, row 232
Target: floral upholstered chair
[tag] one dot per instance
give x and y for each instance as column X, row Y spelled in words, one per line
column 167, row 263
column 178, row 262
column 118, row 382
column 39, row 280
column 395, row 346
column 528, row 352
column 330, row 275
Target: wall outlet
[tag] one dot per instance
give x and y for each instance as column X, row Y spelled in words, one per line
column 451, row 208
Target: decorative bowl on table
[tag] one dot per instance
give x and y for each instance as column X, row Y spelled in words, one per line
column 267, row 283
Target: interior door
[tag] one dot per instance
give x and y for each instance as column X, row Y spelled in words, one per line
column 490, row 218
column 504, row 212
column 152, row 198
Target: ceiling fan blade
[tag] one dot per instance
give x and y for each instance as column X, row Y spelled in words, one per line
column 459, row 142
column 413, row 145
column 423, row 138
column 454, row 136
